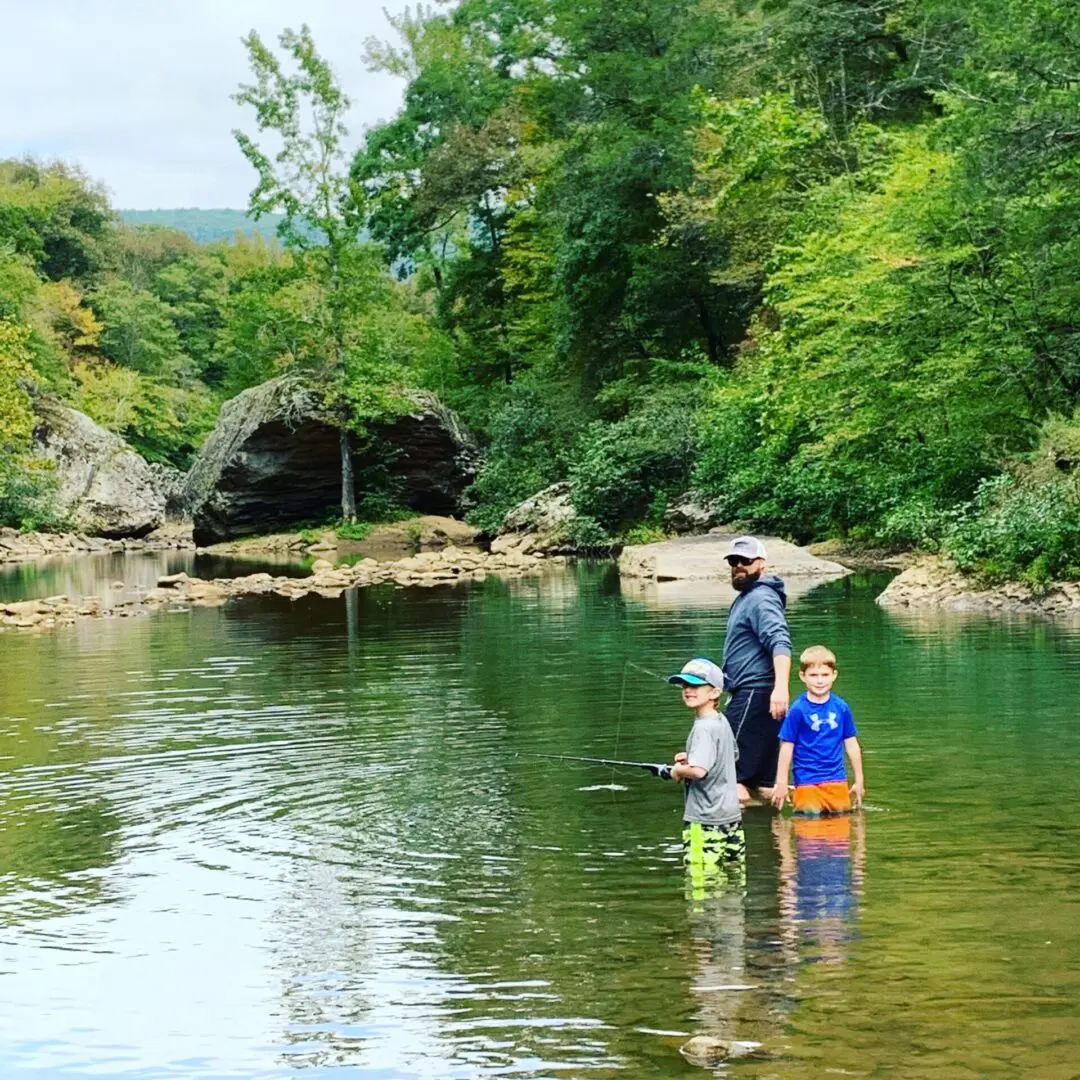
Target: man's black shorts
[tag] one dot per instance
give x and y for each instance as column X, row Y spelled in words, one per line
column 757, row 736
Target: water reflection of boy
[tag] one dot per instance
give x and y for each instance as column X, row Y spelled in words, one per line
column 735, row 946
column 821, row 874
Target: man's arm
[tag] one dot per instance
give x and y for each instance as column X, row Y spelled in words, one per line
column 772, row 631
column 783, row 768
column 780, row 699
column 854, row 752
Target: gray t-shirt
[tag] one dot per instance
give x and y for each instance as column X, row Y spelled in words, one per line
column 714, row 799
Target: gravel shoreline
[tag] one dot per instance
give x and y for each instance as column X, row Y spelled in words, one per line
column 179, row 591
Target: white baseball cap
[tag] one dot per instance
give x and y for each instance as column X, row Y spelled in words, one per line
column 746, row 547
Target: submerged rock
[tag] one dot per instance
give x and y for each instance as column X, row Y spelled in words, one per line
column 106, row 488
column 706, row 1050
column 273, row 460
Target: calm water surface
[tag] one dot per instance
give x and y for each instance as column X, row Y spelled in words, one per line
column 304, row 838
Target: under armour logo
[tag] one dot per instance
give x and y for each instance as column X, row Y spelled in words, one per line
column 816, row 721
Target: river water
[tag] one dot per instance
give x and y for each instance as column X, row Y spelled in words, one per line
column 304, row 838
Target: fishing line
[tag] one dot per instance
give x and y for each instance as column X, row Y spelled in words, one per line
column 649, row 766
column 618, row 722
column 645, row 671
column 627, row 664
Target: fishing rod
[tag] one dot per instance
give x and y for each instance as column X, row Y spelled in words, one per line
column 662, row 770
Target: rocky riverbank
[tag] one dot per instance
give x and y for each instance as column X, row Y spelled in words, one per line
column 935, row 583
column 179, row 591
column 387, row 542
column 25, row 547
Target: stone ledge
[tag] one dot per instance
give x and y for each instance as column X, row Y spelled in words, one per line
column 933, row 582
column 23, row 547
column 701, row 558
column 386, row 542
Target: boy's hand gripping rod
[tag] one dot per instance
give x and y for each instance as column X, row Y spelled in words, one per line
column 663, row 771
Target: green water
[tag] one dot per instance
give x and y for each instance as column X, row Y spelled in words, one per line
column 300, row 838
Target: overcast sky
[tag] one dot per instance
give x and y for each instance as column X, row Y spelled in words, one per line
column 138, row 92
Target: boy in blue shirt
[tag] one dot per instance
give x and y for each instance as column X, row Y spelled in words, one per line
column 817, row 730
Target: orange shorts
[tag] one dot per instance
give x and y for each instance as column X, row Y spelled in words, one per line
column 832, row 797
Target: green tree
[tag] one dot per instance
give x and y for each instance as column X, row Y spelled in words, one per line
column 54, row 215
column 139, row 332
column 16, row 417
column 307, row 181
column 25, row 489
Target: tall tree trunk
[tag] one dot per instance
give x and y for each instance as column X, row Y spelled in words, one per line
column 348, row 478
column 712, row 341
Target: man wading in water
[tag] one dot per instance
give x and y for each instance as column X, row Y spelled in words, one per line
column 757, row 666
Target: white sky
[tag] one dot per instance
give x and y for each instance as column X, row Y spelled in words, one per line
column 137, row 93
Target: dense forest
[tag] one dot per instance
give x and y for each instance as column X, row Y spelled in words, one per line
column 817, row 260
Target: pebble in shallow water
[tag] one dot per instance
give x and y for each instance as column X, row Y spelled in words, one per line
column 706, row 1050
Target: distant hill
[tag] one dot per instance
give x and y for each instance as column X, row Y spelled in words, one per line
column 205, row 226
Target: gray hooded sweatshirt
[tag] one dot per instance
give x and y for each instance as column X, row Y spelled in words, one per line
column 756, row 632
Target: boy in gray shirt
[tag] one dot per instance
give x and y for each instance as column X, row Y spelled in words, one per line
column 713, row 840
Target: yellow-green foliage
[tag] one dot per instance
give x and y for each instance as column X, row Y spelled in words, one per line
column 165, row 423
column 16, row 417
column 866, row 398
column 26, row 486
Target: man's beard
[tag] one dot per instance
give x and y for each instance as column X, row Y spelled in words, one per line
column 747, row 580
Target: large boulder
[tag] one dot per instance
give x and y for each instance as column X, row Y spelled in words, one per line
column 702, row 558
column 273, row 461
column 105, row 487
column 169, row 482
column 692, row 512
column 542, row 522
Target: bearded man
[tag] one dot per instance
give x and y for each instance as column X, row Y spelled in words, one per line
column 757, row 667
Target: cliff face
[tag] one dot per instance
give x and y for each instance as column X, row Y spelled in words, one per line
column 273, row 461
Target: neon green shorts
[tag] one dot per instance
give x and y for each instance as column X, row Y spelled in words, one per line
column 715, row 859
column 713, row 845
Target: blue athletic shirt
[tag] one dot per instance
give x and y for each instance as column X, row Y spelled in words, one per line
column 818, row 731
